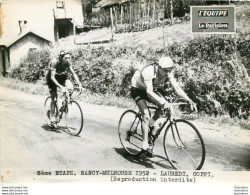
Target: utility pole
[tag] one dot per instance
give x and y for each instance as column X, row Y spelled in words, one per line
column 112, row 24
column 171, row 12
column 163, row 26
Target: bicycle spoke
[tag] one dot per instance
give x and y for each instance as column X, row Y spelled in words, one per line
column 135, row 145
column 173, row 132
column 174, row 160
column 190, row 156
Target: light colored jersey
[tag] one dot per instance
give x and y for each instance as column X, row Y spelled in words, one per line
column 140, row 76
column 147, row 74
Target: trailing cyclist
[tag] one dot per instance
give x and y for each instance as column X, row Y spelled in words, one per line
column 58, row 77
column 145, row 83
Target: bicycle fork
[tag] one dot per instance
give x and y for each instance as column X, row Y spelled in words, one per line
column 176, row 134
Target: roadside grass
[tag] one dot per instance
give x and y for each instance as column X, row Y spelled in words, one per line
column 87, row 97
column 29, row 88
column 226, row 120
column 112, row 100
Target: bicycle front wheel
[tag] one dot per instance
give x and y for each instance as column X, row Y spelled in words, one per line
column 184, row 146
column 74, row 118
column 47, row 110
column 130, row 132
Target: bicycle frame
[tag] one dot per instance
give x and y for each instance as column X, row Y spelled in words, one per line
column 62, row 110
column 178, row 133
column 169, row 118
column 64, row 106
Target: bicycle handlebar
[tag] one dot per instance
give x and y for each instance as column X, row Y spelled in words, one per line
column 166, row 110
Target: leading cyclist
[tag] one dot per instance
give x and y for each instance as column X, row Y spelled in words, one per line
column 144, row 85
column 58, row 77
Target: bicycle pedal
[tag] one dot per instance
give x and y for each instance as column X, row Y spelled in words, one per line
column 54, row 125
column 148, row 153
column 151, row 143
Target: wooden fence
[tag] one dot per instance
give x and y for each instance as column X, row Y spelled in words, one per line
column 135, row 15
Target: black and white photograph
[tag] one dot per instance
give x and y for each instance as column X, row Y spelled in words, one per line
column 124, row 92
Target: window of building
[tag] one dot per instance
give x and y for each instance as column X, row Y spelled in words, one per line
column 60, row 4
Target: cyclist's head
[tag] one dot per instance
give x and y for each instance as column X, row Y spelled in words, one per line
column 63, row 55
column 166, row 63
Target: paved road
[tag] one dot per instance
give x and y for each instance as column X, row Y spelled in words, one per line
column 28, row 144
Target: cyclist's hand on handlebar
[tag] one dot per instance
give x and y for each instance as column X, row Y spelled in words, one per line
column 63, row 89
column 168, row 107
column 81, row 88
column 193, row 106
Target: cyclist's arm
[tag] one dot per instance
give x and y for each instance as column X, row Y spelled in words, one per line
column 75, row 76
column 152, row 95
column 53, row 73
column 178, row 89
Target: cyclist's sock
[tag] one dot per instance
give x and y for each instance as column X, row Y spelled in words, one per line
column 145, row 145
column 151, row 122
column 52, row 118
column 54, row 124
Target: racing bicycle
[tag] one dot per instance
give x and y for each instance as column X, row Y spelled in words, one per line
column 70, row 109
column 182, row 142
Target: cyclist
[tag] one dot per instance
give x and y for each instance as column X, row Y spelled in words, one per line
column 144, row 88
column 58, row 77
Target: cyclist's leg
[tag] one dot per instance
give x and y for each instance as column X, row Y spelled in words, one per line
column 140, row 96
column 68, row 84
column 53, row 112
column 158, row 112
column 142, row 105
column 54, row 103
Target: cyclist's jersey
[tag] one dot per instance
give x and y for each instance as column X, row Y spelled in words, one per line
column 149, row 74
column 61, row 68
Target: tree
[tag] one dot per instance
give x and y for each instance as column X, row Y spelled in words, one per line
column 87, row 6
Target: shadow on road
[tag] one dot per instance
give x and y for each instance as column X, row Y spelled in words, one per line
column 144, row 160
column 59, row 129
column 48, row 128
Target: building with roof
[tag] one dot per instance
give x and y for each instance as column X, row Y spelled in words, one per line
column 30, row 24
column 51, row 18
column 13, row 48
column 108, row 3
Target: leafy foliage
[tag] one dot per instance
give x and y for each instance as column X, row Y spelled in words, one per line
column 32, row 67
column 213, row 70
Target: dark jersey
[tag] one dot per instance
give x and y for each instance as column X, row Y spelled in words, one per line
column 61, row 68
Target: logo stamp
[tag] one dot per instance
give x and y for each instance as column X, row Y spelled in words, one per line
column 213, row 19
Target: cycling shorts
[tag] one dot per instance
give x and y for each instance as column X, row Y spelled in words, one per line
column 139, row 94
column 52, row 86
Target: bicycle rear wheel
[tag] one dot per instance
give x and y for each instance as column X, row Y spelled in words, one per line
column 74, row 118
column 130, row 132
column 47, row 110
column 184, row 145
